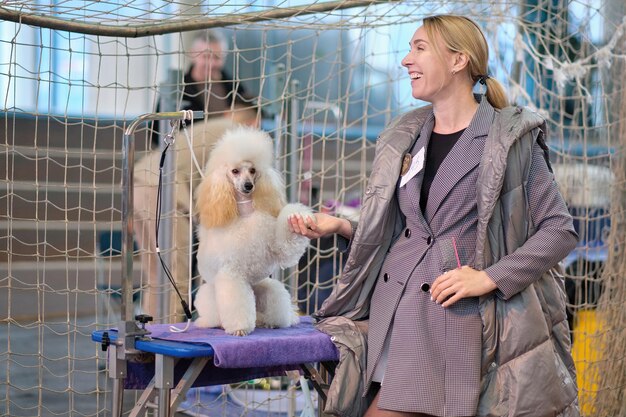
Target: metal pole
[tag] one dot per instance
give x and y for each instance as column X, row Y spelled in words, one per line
column 292, row 161
column 128, row 158
column 175, row 24
column 127, row 327
column 117, row 371
column 292, row 144
column 117, row 398
column 128, row 154
column 164, row 382
column 279, row 113
column 168, row 103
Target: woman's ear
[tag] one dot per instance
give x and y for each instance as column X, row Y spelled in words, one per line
column 459, row 62
column 269, row 193
column 215, row 201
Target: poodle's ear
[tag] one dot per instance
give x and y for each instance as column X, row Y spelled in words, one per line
column 269, row 193
column 215, row 201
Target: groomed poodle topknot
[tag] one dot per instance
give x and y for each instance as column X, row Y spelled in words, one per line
column 244, row 237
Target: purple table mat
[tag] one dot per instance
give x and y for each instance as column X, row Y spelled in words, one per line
column 301, row 343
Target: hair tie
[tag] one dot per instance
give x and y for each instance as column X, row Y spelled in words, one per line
column 483, row 79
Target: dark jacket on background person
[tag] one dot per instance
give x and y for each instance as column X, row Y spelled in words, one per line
column 194, row 91
column 522, row 327
column 193, row 98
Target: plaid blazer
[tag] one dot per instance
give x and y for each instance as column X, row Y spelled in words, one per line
column 433, row 353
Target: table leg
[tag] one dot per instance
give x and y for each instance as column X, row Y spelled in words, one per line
column 164, row 381
column 117, row 372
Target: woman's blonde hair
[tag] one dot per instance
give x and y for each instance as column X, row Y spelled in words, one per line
column 460, row 34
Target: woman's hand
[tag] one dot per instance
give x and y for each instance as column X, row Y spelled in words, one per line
column 459, row 283
column 323, row 225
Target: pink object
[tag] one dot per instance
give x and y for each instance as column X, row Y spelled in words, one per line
column 456, row 253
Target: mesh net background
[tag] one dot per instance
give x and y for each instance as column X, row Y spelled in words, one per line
column 74, row 74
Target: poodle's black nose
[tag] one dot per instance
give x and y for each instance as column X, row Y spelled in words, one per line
column 248, row 186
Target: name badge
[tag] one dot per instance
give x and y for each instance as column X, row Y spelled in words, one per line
column 417, row 163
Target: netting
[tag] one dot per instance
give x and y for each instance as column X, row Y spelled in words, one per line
column 327, row 75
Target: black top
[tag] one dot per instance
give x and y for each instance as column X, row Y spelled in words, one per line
column 220, row 93
column 438, row 148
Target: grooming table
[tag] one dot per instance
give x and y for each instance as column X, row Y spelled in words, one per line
column 167, row 364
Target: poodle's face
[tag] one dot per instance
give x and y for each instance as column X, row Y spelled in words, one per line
column 243, row 176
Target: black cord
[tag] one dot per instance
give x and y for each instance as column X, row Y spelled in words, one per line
column 158, row 222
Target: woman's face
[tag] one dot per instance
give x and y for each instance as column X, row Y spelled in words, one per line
column 430, row 75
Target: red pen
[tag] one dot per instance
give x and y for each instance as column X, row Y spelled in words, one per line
column 456, row 253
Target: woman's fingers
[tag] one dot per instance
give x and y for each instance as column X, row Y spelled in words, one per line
column 458, row 283
column 305, row 226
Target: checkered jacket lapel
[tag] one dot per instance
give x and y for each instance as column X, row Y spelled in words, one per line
column 463, row 157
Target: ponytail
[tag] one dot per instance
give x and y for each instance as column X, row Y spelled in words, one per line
column 495, row 93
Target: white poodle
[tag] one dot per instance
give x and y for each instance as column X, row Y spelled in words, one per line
column 244, row 237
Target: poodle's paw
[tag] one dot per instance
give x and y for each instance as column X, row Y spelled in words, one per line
column 239, row 327
column 206, row 322
column 261, row 324
column 282, row 226
column 291, row 319
column 295, row 208
column 273, row 323
column 295, row 318
column 238, row 332
column 307, row 217
column 240, row 322
column 279, row 319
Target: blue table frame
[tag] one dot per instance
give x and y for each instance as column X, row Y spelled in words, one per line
column 178, row 366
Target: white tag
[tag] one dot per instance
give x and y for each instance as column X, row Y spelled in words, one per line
column 416, row 166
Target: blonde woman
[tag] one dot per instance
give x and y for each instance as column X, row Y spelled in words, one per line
column 453, row 263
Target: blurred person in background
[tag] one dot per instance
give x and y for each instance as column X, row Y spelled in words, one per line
column 207, row 86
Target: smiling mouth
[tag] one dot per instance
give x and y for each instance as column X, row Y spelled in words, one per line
column 415, row 75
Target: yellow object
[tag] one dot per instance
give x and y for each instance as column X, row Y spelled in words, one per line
column 586, row 352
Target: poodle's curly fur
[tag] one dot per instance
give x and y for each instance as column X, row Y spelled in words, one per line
column 239, row 251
